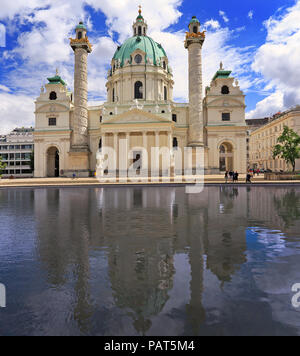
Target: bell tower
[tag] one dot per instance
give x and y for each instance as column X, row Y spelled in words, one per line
column 79, row 153
column 193, row 42
column 140, row 26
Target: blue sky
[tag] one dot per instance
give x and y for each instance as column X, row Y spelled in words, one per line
column 258, row 40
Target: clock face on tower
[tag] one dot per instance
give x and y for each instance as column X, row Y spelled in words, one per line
column 138, row 59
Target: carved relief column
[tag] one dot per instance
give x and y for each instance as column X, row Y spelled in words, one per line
column 79, row 154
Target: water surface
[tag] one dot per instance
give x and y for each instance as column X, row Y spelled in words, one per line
column 150, row 261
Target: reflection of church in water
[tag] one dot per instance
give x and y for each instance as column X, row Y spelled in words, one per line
column 141, row 233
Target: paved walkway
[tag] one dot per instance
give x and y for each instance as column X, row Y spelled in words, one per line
column 209, row 179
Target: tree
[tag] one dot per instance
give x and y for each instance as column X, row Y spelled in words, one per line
column 288, row 147
column 2, row 166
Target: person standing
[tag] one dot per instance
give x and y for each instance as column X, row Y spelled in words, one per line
column 236, row 176
column 226, row 177
column 248, row 178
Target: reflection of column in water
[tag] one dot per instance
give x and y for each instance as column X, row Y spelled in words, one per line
column 195, row 232
column 63, row 241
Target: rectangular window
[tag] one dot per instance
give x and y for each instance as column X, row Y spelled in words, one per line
column 225, row 116
column 52, row 121
column 174, row 117
column 26, row 171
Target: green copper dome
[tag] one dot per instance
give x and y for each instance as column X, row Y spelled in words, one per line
column 153, row 50
column 81, row 26
column 194, row 20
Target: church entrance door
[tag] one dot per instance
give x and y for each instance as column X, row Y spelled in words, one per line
column 52, row 162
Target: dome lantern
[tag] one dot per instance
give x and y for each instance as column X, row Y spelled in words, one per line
column 140, row 26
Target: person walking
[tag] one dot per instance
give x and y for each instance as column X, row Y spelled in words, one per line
column 226, row 177
column 248, row 178
column 231, row 175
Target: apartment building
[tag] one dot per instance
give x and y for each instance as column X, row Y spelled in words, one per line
column 264, row 138
column 16, row 149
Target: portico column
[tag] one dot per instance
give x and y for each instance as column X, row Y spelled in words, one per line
column 156, row 138
column 170, row 141
column 127, row 148
column 171, row 165
column 145, row 159
column 156, row 158
column 116, row 149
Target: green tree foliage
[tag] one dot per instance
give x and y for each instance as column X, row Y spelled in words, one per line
column 288, row 147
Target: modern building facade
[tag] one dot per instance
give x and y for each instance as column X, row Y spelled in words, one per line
column 16, row 150
column 264, row 138
column 139, row 111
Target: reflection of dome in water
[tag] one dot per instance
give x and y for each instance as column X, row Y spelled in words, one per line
column 141, row 279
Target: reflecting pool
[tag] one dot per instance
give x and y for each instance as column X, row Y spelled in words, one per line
column 150, row 261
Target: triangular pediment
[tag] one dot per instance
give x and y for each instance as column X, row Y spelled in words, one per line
column 52, row 108
column 136, row 116
column 223, row 102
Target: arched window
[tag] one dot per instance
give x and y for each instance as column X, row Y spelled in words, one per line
column 135, row 31
column 138, row 90
column 100, row 144
column 195, row 29
column 225, row 89
column 53, row 96
column 140, row 30
column 165, row 93
column 80, row 35
column 113, row 95
column 164, row 65
column 144, row 31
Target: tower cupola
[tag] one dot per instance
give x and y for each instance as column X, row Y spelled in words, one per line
column 194, row 25
column 140, row 26
column 80, row 31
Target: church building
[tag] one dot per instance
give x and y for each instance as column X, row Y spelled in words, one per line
column 139, row 112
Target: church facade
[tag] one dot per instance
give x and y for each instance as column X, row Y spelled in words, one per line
column 139, row 113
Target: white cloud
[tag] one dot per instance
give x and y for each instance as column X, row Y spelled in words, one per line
column 250, row 14
column 4, row 88
column 212, row 24
column 223, row 15
column 15, row 111
column 277, row 61
column 267, row 107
